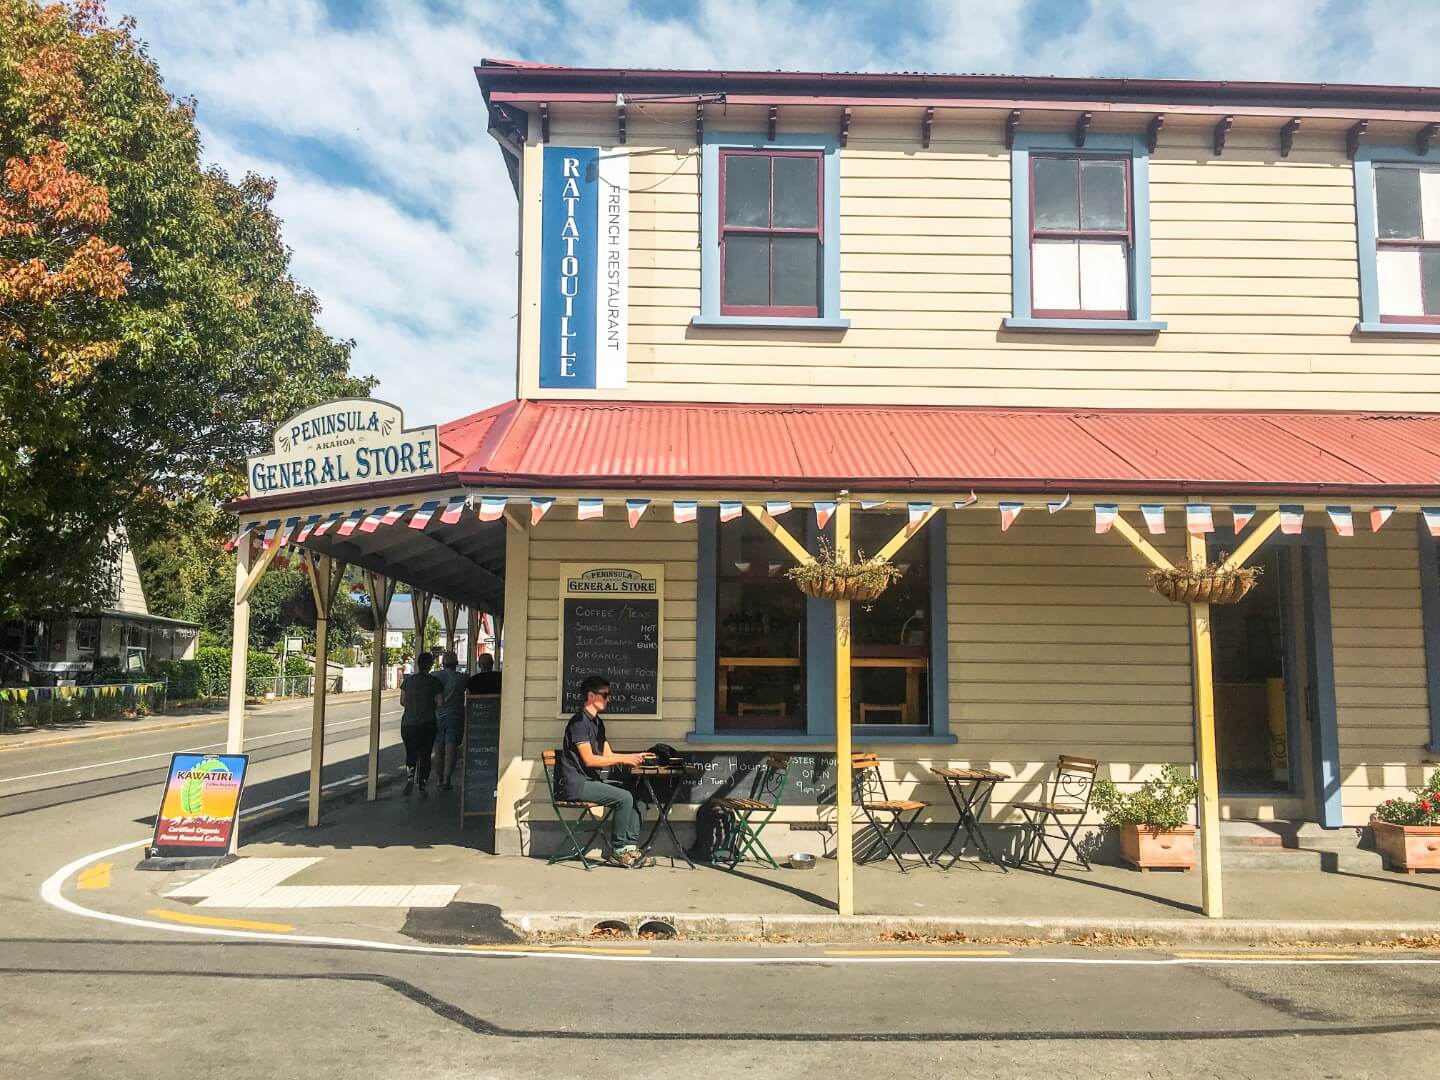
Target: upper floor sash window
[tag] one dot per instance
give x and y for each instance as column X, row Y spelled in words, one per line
column 1407, row 247
column 771, row 232
column 1080, row 237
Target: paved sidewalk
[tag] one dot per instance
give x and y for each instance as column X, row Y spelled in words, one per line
column 418, row 845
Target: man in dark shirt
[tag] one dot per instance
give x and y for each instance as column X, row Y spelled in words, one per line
column 584, row 752
column 420, row 694
column 486, row 679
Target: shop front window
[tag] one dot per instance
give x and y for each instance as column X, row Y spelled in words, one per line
column 759, row 634
column 890, row 636
column 87, row 637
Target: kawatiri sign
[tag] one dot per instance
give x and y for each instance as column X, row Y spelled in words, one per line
column 344, row 442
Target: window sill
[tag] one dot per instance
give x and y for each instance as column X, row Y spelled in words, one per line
column 1398, row 329
column 1098, row 326
column 769, row 322
column 795, row 738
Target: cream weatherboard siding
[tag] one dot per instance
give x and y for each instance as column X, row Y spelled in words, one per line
column 1380, row 686
column 1254, row 270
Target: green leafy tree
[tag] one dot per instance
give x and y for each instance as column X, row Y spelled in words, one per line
column 430, row 642
column 150, row 332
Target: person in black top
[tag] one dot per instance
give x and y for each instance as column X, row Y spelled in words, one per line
column 486, row 679
column 420, row 694
column 584, row 752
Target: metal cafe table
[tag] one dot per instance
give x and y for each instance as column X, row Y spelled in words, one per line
column 676, row 771
column 970, row 791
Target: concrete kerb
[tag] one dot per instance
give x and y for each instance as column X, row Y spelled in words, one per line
column 835, row 930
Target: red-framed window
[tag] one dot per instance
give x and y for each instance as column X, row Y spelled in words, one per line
column 770, row 232
column 1081, row 236
column 1407, row 247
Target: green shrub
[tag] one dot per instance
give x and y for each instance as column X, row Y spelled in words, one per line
column 1159, row 804
column 214, row 664
column 183, row 677
column 296, row 666
column 1422, row 808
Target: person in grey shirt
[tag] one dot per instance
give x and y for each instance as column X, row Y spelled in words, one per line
column 449, row 720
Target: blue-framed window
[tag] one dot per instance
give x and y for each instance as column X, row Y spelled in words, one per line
column 1397, row 220
column 765, row 656
column 1080, row 234
column 770, row 231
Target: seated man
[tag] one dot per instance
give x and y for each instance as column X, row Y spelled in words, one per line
column 584, row 752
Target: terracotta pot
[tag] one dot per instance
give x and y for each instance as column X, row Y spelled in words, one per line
column 1143, row 848
column 1408, row 848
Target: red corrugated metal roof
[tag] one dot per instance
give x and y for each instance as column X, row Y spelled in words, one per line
column 677, row 445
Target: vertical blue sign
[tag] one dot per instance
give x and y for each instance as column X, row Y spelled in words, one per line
column 569, row 255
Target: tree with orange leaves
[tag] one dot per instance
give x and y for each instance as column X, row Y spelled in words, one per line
column 150, row 332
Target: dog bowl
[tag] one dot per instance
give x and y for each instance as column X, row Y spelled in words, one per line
column 802, row 860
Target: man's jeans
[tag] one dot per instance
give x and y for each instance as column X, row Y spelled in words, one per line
column 626, row 817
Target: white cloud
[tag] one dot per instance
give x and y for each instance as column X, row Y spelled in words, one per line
column 397, row 204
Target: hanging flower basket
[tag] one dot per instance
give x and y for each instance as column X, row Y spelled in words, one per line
column 1205, row 585
column 829, row 579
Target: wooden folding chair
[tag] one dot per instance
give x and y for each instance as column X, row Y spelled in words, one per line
column 875, row 803
column 1070, row 791
column 751, row 814
column 575, row 825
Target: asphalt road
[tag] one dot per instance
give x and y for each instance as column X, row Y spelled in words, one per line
column 82, row 997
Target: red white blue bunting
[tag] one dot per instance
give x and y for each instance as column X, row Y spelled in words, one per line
column 635, row 510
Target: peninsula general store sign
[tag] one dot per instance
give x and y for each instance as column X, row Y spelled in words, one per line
column 344, row 442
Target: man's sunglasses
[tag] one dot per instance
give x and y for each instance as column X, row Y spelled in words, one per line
column 601, row 693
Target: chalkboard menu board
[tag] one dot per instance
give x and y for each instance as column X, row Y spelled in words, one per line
column 810, row 780
column 480, row 765
column 610, row 625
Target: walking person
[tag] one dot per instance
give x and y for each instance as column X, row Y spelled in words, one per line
column 420, row 694
column 449, row 719
column 584, row 752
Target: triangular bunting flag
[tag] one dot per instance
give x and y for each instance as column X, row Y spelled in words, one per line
column 960, row 504
column 307, row 528
column 1242, row 516
column 271, row 528
column 686, row 510
column 348, row 525
column 540, row 506
column 872, row 504
column 742, row 567
column 492, row 506
column 635, row 510
column 1154, row 518
column 776, row 507
column 453, row 509
column 394, row 514
column 372, row 520
column 1009, row 511
column 1342, row 519
column 729, row 511
column 1199, row 519
column 590, row 508
column 1292, row 520
column 424, row 514
column 1432, row 519
column 329, row 523
column 916, row 512
column 824, row 511
column 774, row 568
column 1056, row 506
column 1379, row 515
column 1105, row 515
column 239, row 538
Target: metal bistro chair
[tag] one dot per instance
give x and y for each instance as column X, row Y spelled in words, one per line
column 1073, row 782
column 751, row 814
column 875, row 803
column 572, row 825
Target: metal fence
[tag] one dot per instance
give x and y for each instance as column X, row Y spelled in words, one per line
column 31, row 706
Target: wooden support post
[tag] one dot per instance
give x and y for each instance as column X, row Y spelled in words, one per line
column 326, row 573
column 382, row 591
column 515, row 775
column 844, row 809
column 472, row 638
column 1208, row 770
column 1251, row 543
column 420, row 613
column 450, row 609
column 780, row 533
column 239, row 655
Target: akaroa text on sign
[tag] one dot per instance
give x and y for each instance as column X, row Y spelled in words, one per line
column 344, row 442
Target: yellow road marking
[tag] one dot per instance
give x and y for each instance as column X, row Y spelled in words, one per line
column 229, row 924
column 1267, row 956
column 916, row 952
column 622, row 950
column 95, row 877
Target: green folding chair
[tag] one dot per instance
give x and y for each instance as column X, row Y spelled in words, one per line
column 753, row 813
column 574, row 826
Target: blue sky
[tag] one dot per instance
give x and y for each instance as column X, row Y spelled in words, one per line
column 397, row 205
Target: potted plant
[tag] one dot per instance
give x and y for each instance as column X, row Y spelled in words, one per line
column 1154, row 820
column 1212, row 584
column 1407, row 831
column 828, row 578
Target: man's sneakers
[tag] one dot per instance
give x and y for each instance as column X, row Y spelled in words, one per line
column 409, row 781
column 630, row 859
column 423, row 793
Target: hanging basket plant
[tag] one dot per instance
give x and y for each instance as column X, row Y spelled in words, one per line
column 827, row 578
column 1212, row 584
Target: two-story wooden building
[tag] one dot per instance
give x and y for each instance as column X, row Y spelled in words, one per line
column 1029, row 316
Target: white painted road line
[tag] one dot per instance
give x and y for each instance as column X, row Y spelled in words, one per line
column 190, row 750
